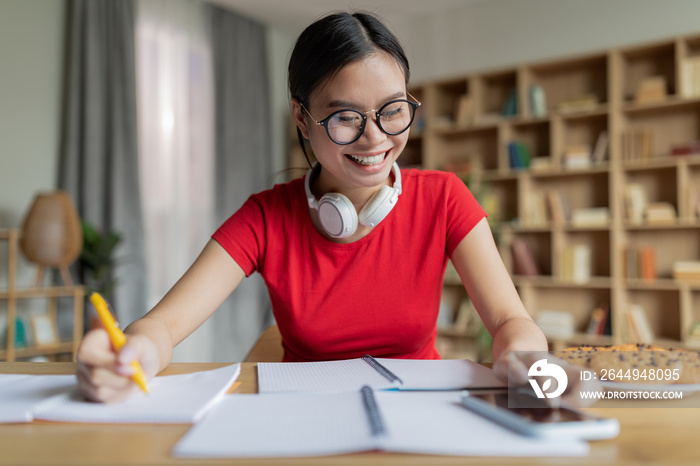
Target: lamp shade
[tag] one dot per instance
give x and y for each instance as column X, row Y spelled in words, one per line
column 51, row 231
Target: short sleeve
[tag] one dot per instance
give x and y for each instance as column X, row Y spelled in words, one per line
column 462, row 210
column 243, row 236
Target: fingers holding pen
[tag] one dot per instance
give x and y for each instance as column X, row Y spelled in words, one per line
column 103, row 374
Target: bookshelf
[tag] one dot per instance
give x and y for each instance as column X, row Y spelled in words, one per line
column 600, row 179
column 12, row 294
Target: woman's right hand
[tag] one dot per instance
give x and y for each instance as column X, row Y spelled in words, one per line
column 105, row 375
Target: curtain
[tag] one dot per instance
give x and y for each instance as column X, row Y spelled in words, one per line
column 243, row 160
column 175, row 103
column 98, row 161
column 200, row 158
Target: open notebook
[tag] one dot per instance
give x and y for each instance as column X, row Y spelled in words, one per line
column 378, row 373
column 171, row 399
column 326, row 424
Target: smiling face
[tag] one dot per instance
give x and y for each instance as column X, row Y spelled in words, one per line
column 364, row 165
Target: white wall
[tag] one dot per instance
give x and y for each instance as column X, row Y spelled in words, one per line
column 279, row 46
column 31, row 53
column 502, row 33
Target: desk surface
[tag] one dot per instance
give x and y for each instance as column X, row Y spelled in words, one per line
column 663, row 435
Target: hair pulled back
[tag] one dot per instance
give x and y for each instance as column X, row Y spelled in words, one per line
column 334, row 41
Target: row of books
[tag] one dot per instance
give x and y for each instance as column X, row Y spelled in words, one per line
column 553, row 206
column 638, row 210
column 575, row 263
column 580, row 156
column 637, row 144
column 640, row 263
column 560, row 324
column 599, row 323
column 519, row 155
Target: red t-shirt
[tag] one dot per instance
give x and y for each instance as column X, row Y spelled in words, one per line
column 379, row 295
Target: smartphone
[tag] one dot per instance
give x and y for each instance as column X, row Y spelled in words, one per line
column 539, row 421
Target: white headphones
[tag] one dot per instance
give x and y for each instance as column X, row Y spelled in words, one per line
column 337, row 214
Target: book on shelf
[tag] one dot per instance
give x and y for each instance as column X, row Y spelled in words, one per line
column 557, row 207
column 599, row 322
column 639, row 326
column 647, row 263
column 524, row 262
column 689, row 148
column 600, row 152
column 686, row 270
column 694, row 331
column 690, row 77
column 575, row 263
column 651, row 89
column 640, row 263
column 540, row 164
column 555, row 324
column 577, row 156
column 510, row 105
column 538, row 101
column 590, row 216
column 631, row 263
column 536, row 209
column 464, row 113
column 660, row 213
column 519, row 155
column 637, row 144
column 467, row 320
column 635, row 198
column 584, row 103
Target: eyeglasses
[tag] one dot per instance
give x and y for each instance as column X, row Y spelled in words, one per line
column 347, row 125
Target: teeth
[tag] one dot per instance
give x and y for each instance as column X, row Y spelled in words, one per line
column 373, row 160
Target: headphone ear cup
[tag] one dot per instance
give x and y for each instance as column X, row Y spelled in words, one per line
column 337, row 215
column 379, row 206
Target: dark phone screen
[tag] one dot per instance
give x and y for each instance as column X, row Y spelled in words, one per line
column 541, row 413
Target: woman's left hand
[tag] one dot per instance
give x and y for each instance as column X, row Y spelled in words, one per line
column 515, row 370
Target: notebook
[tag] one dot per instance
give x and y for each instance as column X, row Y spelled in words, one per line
column 378, row 373
column 288, row 425
column 171, row 399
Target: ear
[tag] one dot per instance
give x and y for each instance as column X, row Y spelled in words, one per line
column 299, row 116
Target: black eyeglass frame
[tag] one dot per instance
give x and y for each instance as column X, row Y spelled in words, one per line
column 377, row 114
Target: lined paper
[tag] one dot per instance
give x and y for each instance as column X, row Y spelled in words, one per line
column 352, row 374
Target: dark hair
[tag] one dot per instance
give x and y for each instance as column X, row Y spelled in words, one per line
column 334, row 41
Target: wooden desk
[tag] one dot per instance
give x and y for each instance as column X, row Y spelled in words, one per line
column 647, row 436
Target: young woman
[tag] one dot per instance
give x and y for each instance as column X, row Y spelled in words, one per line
column 354, row 254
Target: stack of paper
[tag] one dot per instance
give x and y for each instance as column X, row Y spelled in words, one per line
column 171, row 399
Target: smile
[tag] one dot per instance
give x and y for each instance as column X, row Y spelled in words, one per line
column 367, row 161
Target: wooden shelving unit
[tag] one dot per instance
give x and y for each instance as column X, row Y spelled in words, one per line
column 12, row 294
column 586, row 97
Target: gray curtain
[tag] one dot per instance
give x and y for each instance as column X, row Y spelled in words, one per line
column 243, row 161
column 99, row 158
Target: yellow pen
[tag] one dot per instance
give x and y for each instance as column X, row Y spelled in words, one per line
column 117, row 337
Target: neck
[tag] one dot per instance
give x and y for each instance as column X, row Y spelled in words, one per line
column 358, row 195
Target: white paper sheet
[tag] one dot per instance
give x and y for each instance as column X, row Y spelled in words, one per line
column 171, row 399
column 350, row 375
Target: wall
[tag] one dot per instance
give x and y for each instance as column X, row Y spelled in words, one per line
column 502, row 33
column 31, row 47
